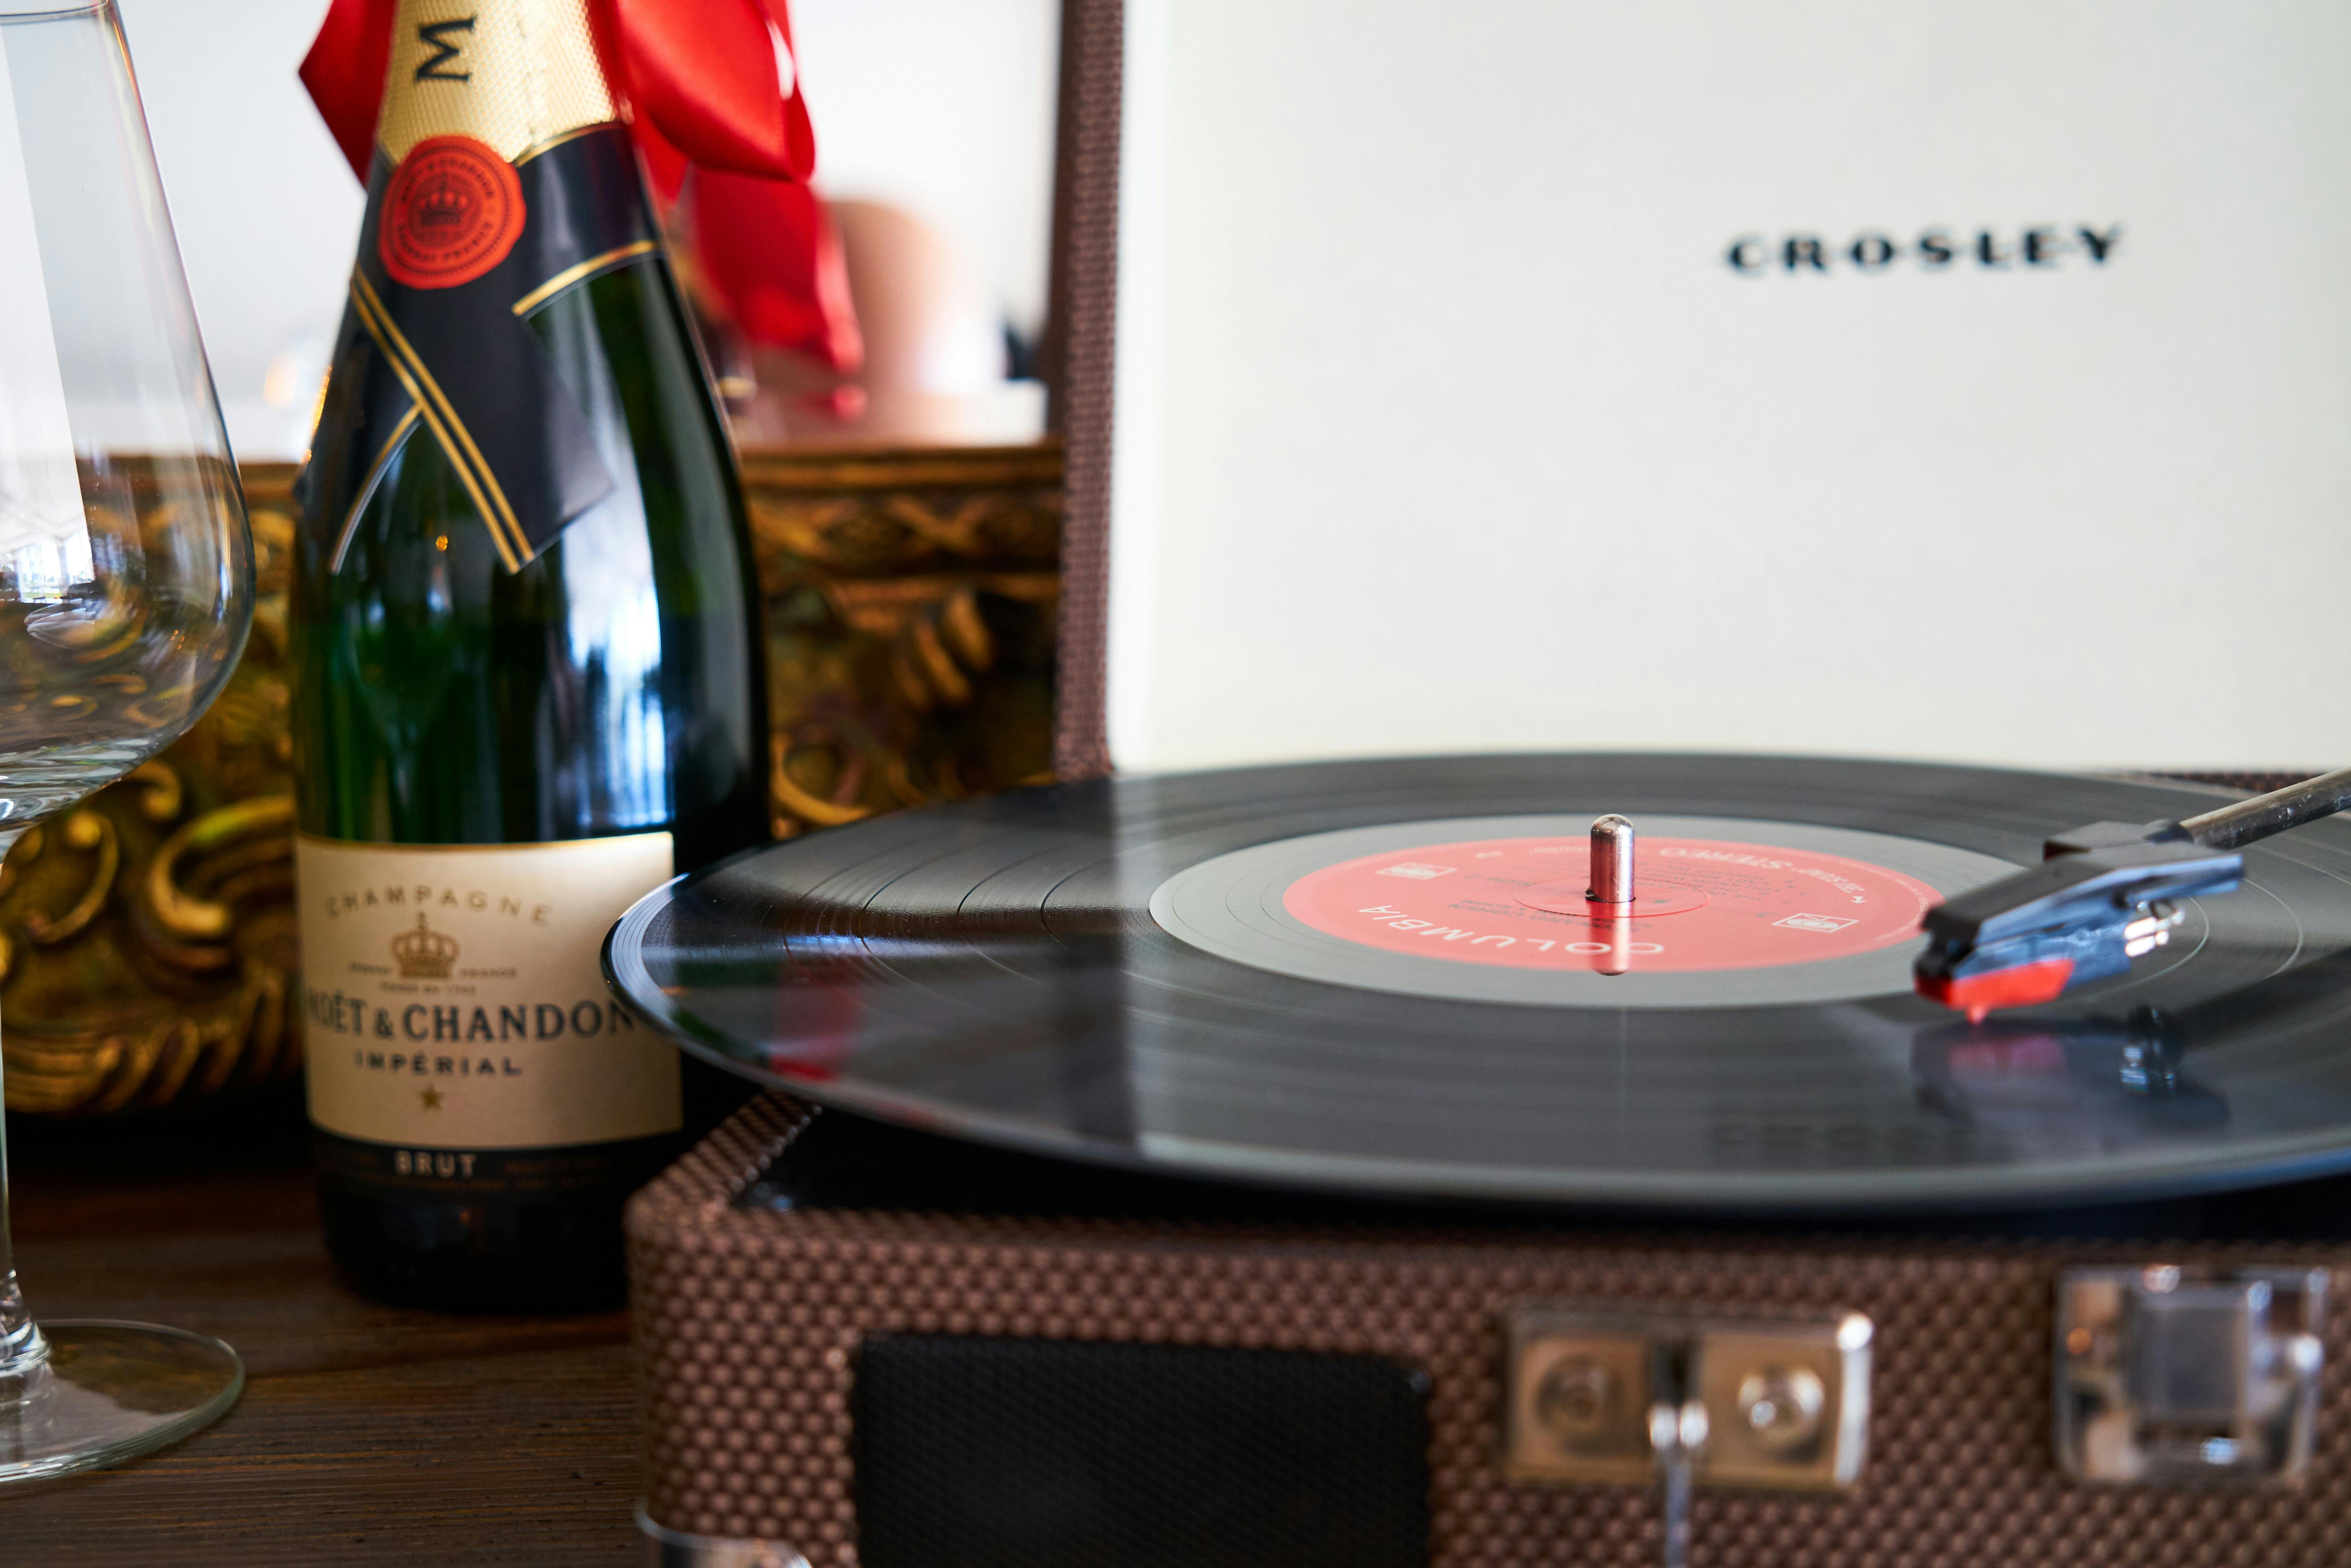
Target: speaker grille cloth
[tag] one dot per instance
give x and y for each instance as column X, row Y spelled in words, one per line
column 1024, row 1453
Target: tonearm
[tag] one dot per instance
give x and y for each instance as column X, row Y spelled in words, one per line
column 2103, row 894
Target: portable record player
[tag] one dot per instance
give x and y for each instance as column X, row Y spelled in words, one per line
column 1302, row 1169
column 1350, row 1163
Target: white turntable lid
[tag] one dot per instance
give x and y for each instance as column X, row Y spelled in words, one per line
column 1445, row 421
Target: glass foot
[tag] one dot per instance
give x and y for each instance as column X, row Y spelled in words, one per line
column 109, row 1392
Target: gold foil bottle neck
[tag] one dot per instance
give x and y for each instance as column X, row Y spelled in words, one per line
column 515, row 75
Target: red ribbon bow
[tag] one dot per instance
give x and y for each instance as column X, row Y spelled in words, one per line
column 710, row 89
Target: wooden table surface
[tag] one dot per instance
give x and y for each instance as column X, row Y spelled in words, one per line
column 366, row 1433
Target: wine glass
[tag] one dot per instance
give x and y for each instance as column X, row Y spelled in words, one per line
column 126, row 588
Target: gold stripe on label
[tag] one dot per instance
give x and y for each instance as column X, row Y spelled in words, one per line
column 581, row 273
column 512, row 74
column 363, row 301
column 387, row 338
column 366, row 492
column 558, row 140
column 473, row 469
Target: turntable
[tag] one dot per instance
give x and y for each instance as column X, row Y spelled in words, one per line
column 1331, row 1163
column 1545, row 1158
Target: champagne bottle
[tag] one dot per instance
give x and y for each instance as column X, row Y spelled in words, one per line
column 528, row 684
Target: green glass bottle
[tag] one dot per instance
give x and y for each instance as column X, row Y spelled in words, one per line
column 528, row 680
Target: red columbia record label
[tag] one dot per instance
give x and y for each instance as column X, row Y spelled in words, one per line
column 1701, row 903
column 452, row 212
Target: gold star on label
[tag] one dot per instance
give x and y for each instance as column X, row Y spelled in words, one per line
column 430, row 1097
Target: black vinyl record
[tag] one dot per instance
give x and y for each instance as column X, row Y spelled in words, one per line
column 1371, row 976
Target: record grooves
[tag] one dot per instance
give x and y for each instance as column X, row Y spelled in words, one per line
column 1208, row 974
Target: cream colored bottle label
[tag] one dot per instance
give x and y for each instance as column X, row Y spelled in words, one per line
column 454, row 996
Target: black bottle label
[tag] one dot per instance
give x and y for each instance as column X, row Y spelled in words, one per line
column 459, row 248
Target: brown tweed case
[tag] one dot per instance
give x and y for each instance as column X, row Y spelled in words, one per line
column 910, row 1373
column 752, row 1323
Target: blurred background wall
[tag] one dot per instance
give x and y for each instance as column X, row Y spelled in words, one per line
column 940, row 111
column 1446, row 421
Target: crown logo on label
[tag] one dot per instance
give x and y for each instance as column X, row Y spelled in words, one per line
column 444, row 204
column 423, row 953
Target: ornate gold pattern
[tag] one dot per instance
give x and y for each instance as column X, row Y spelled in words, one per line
column 147, row 948
column 147, row 939
column 910, row 600
column 84, row 830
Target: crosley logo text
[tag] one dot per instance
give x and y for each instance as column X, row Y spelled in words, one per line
column 2037, row 247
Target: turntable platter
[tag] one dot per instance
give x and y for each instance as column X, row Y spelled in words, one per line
column 1376, row 976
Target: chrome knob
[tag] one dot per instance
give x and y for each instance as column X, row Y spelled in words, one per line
column 1576, row 1399
column 1781, row 1405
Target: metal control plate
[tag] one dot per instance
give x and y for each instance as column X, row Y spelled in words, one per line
column 2174, row 1376
column 1761, row 1402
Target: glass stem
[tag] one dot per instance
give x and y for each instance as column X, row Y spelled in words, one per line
column 21, row 1345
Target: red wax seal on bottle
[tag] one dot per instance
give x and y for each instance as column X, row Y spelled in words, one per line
column 450, row 213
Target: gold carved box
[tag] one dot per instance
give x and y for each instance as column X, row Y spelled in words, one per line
column 147, row 948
